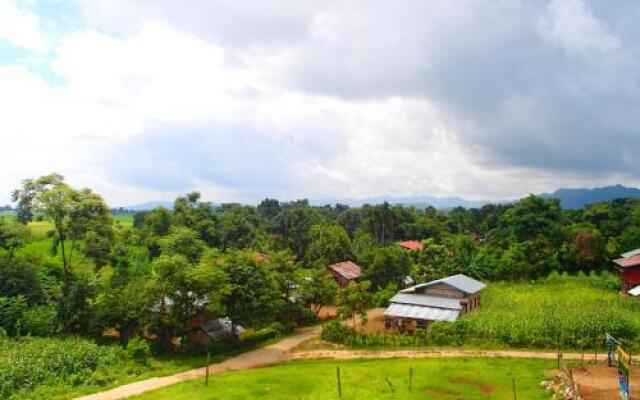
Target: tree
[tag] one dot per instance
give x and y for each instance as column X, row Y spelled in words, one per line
column 318, row 289
column 184, row 242
column 328, row 243
column 294, row 224
column 253, row 298
column 384, row 265
column 76, row 215
column 13, row 236
column 353, row 301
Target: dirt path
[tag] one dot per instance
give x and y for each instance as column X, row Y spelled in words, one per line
column 432, row 353
column 283, row 351
column 272, row 354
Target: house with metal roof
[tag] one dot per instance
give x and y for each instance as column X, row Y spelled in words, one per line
column 628, row 266
column 344, row 272
column 439, row 300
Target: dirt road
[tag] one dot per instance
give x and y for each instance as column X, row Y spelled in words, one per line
column 272, row 354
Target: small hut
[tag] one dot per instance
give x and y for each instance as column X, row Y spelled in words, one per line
column 344, row 272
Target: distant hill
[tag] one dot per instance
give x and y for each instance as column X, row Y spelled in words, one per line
column 578, row 198
column 150, row 205
column 416, row 201
column 569, row 199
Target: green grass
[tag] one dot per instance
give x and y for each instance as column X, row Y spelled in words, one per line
column 455, row 378
column 124, row 219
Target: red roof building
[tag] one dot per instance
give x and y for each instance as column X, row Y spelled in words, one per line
column 344, row 272
column 411, row 244
column 628, row 271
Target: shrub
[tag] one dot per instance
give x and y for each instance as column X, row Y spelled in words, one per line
column 30, row 362
column 139, row 351
column 336, row 332
column 39, row 321
column 442, row 333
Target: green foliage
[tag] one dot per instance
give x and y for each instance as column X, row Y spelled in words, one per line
column 386, row 265
column 570, row 312
column 336, row 332
column 30, row 362
column 354, row 300
column 139, row 351
column 328, row 244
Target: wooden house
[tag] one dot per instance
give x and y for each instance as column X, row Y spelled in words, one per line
column 440, row 300
column 628, row 267
column 344, row 272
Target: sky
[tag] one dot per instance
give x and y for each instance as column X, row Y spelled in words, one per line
column 241, row 100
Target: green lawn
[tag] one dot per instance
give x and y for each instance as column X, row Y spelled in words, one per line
column 456, row 378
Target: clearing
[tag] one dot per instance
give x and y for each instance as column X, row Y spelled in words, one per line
column 454, row 378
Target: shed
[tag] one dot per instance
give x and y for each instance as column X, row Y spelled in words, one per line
column 344, row 272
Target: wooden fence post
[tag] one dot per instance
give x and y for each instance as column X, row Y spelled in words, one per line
column 339, row 383
column 206, row 379
column 410, row 379
column 515, row 391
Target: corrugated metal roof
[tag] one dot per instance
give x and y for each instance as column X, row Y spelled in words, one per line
column 635, row 291
column 426, row 301
column 630, row 253
column 419, row 312
column 348, row 269
column 460, row 282
column 629, row 261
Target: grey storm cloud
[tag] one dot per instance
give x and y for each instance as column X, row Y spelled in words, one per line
column 551, row 85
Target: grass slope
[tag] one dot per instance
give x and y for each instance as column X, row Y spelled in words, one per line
column 456, row 378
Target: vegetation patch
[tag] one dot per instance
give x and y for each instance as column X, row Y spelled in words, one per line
column 455, row 378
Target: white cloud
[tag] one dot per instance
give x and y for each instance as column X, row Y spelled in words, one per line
column 20, row 27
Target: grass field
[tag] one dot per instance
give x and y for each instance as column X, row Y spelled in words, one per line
column 456, row 378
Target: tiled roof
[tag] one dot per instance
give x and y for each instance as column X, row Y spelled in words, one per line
column 347, row 269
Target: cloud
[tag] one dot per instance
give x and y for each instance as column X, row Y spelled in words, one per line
column 21, row 28
column 245, row 99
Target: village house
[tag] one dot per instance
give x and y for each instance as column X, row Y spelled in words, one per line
column 440, row 300
column 628, row 267
column 344, row 272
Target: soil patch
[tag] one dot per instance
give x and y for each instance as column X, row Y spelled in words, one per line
column 601, row 382
column 483, row 388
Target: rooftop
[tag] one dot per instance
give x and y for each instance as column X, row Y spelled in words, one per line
column 426, row 301
column 631, row 261
column 460, row 282
column 411, row 244
column 347, row 269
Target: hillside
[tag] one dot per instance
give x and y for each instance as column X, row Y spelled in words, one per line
column 579, row 198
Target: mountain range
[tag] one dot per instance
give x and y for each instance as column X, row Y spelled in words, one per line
column 569, row 199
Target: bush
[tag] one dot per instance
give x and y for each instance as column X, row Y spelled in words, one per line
column 336, row 332
column 442, row 333
column 254, row 338
column 139, row 351
column 39, row 321
column 30, row 362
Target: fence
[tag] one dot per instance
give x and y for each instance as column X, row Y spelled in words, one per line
column 569, row 387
